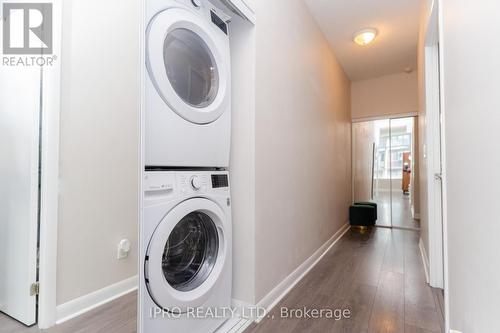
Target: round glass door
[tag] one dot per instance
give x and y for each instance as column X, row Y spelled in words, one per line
column 188, row 63
column 190, row 252
column 187, row 254
column 191, row 67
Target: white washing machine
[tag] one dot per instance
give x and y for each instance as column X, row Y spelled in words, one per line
column 188, row 85
column 185, row 252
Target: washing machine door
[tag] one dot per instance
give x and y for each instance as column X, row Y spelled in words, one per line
column 186, row 255
column 188, row 62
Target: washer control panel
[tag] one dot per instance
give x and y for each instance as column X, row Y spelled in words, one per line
column 158, row 182
column 220, row 181
column 159, row 185
column 196, row 183
column 193, row 182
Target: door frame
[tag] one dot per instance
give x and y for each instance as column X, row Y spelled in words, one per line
column 49, row 180
column 436, row 154
column 387, row 116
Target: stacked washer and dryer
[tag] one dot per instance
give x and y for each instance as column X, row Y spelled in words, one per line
column 186, row 262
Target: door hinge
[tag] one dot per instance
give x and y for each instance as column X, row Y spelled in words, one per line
column 438, row 176
column 35, row 289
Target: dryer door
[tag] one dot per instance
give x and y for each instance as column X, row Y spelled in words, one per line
column 188, row 62
column 186, row 255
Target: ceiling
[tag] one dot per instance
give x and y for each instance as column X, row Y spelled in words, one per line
column 395, row 47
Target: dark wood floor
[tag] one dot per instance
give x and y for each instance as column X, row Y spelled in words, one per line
column 119, row 316
column 377, row 275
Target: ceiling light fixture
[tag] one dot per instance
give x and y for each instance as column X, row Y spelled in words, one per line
column 365, row 36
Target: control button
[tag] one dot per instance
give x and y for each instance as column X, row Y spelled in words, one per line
column 196, row 182
column 196, row 3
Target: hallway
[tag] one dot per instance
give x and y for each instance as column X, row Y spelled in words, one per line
column 378, row 275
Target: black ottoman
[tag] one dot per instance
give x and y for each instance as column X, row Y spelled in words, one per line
column 374, row 205
column 362, row 215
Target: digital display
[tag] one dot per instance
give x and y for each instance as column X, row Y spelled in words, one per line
column 218, row 22
column 219, row 181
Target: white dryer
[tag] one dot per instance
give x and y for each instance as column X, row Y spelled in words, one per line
column 187, row 85
column 186, row 252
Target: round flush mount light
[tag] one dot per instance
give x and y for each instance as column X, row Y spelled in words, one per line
column 365, row 36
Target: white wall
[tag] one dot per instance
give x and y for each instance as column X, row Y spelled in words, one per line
column 387, row 95
column 242, row 164
column 99, row 144
column 472, row 119
column 302, row 147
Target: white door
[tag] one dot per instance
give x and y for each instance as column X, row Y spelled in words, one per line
column 19, row 150
column 435, row 168
column 186, row 255
column 434, row 153
column 188, row 62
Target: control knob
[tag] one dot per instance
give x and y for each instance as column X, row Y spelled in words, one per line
column 196, row 182
column 196, row 3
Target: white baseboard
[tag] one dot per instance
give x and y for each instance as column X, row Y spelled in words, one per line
column 79, row 306
column 238, row 323
column 280, row 291
column 234, row 325
column 425, row 259
column 414, row 215
column 242, row 308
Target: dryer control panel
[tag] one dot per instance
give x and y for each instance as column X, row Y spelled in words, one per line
column 216, row 15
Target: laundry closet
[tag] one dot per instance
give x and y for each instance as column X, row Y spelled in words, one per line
column 96, row 192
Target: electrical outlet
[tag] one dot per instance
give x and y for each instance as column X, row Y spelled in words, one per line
column 123, row 249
